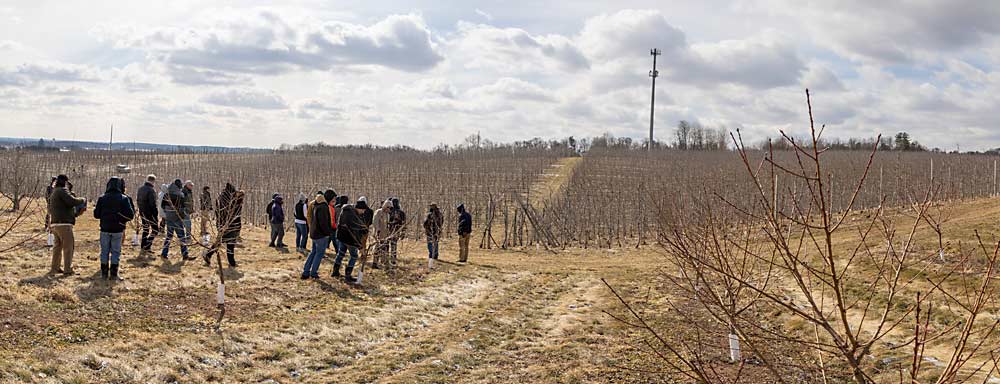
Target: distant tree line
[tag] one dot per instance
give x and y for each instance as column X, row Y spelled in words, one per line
column 900, row 142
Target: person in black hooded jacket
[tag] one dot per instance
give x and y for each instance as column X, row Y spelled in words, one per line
column 228, row 219
column 464, row 233
column 145, row 200
column 115, row 210
column 351, row 229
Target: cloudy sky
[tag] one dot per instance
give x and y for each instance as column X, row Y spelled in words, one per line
column 422, row 73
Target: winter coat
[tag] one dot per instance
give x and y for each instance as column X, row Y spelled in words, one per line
column 368, row 215
column 397, row 219
column 228, row 213
column 464, row 221
column 173, row 204
column 300, row 212
column 338, row 205
column 145, row 198
column 433, row 224
column 62, row 206
column 159, row 198
column 278, row 212
column 188, row 202
column 351, row 228
column 268, row 208
column 319, row 219
column 380, row 221
column 206, row 200
column 114, row 209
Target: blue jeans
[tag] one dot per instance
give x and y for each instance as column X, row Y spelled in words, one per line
column 315, row 257
column 344, row 248
column 338, row 248
column 187, row 231
column 111, row 245
column 172, row 228
column 432, row 249
column 301, row 235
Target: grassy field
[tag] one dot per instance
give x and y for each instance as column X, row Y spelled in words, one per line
column 526, row 316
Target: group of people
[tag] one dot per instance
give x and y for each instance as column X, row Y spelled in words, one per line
column 329, row 219
column 171, row 211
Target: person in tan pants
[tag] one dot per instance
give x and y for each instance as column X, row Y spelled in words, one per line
column 464, row 233
column 64, row 207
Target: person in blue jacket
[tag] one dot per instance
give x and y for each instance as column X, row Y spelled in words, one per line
column 114, row 209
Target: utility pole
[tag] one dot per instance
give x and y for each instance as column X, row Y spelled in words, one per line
column 111, row 140
column 652, row 99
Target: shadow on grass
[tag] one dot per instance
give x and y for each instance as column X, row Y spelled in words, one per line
column 97, row 289
column 43, row 281
column 141, row 260
column 340, row 289
column 232, row 274
column 171, row 268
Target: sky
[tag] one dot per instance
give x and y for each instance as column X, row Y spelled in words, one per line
column 423, row 73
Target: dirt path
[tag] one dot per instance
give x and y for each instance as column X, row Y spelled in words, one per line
column 553, row 180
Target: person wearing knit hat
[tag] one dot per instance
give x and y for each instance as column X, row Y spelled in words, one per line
column 63, row 211
column 301, row 223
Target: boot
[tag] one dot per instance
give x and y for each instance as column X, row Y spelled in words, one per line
column 114, row 273
column 336, row 271
column 347, row 276
column 104, row 270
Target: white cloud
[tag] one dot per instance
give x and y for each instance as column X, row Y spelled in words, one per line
column 241, row 75
column 229, row 45
column 484, row 14
column 246, row 98
column 10, row 45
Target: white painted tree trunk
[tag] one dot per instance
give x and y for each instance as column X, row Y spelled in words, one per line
column 734, row 348
column 220, row 296
column 51, row 240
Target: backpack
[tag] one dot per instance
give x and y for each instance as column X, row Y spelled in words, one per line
column 268, row 209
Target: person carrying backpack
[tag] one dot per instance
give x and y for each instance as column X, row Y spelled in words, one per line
column 270, row 206
column 114, row 209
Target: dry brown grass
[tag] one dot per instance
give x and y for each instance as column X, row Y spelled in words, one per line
column 521, row 316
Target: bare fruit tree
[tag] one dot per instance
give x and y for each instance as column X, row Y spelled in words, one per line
column 782, row 283
column 21, row 189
